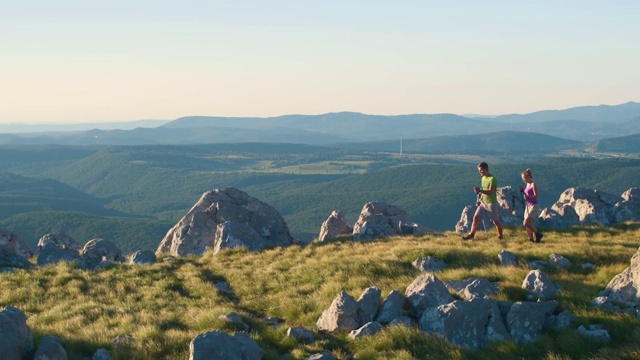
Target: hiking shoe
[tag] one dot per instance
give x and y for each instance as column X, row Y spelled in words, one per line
column 539, row 236
column 531, row 240
column 469, row 236
column 500, row 237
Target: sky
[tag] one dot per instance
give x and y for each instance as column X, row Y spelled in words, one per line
column 87, row 61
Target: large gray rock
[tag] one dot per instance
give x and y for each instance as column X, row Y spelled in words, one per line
column 97, row 252
column 378, row 220
column 334, row 226
column 539, row 284
column 52, row 253
column 62, row 241
column 474, row 287
column 341, row 315
column 143, row 257
column 470, row 324
column 526, row 320
column 580, row 206
column 368, row 304
column 15, row 243
column 424, row 292
column 226, row 218
column 16, row 339
column 391, row 308
column 624, row 289
column 219, row 345
column 9, row 260
column 51, row 348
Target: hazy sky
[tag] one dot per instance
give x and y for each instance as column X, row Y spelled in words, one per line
column 123, row 60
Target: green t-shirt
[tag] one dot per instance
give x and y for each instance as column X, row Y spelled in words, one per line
column 487, row 182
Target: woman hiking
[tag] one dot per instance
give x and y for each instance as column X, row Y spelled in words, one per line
column 532, row 210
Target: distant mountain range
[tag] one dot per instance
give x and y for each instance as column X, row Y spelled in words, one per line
column 581, row 124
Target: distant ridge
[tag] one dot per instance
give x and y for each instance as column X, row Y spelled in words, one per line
column 586, row 123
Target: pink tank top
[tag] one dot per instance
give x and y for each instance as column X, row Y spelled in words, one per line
column 529, row 192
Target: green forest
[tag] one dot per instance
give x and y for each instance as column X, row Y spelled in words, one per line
column 132, row 195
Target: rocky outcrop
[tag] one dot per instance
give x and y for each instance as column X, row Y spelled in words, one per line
column 52, row 253
column 226, row 218
column 623, row 290
column 143, row 257
column 472, row 324
column 335, row 226
column 100, row 252
column 220, row 345
column 582, row 206
column 16, row 339
column 378, row 219
column 62, row 241
column 15, row 244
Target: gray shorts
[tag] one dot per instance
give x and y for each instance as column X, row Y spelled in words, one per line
column 492, row 210
column 533, row 211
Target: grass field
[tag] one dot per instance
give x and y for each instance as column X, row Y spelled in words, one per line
column 165, row 305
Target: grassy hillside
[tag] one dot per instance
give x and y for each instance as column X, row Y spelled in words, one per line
column 165, row 305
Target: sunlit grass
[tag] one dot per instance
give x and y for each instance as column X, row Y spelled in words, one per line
column 165, row 305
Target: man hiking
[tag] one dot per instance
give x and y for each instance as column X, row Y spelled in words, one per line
column 487, row 202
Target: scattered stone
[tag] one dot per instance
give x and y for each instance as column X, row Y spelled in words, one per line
column 99, row 253
column 52, row 253
column 429, row 264
column 101, row 354
column 301, row 334
column 235, row 319
column 561, row 321
column 470, row 324
column 227, row 218
column 51, row 348
column 526, row 320
column 507, row 258
column 538, row 264
column 378, row 219
column 391, row 308
column 335, row 226
column 539, row 284
column 595, row 332
column 123, row 341
column 368, row 329
column 143, row 257
column 16, row 339
column 424, row 292
column 559, row 261
column 220, row 345
column 62, row 241
column 321, row 356
column 341, row 315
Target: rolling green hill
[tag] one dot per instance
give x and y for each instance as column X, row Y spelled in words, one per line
column 158, row 184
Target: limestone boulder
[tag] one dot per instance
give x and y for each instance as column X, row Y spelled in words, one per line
column 470, row 324
column 16, row 339
column 624, row 289
column 220, row 345
column 378, row 219
column 15, row 244
column 226, row 218
column 335, row 226
column 99, row 252
column 52, row 253
column 62, row 241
